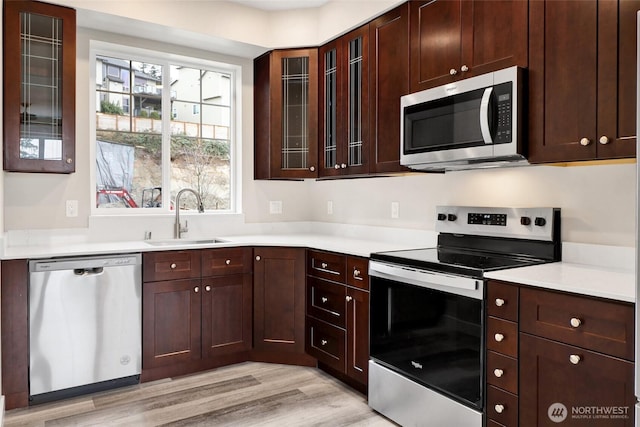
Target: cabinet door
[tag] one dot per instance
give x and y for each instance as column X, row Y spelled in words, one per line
column 597, row 381
column 562, row 80
column 617, row 78
column 39, row 87
column 226, row 314
column 279, row 299
column 358, row 335
column 331, row 102
column 389, row 80
column 436, row 39
column 171, row 322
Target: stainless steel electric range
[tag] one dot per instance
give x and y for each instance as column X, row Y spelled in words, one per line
column 427, row 327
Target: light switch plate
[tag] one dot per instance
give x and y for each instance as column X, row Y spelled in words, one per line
column 72, row 208
column 275, row 207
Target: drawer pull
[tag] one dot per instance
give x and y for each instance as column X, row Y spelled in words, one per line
column 228, row 262
column 499, row 337
column 575, row 322
column 207, row 288
column 499, row 408
column 173, row 266
column 356, row 273
column 500, row 302
column 324, row 265
column 349, row 298
column 324, row 342
column 196, row 289
column 324, row 299
column 498, row 372
column 575, row 359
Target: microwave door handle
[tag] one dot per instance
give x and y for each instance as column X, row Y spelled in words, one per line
column 484, row 116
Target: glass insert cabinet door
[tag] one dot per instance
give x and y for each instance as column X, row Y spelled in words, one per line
column 39, row 87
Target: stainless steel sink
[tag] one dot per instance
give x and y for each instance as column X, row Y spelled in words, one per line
column 183, row 242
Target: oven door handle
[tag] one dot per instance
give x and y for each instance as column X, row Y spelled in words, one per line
column 484, row 116
column 454, row 284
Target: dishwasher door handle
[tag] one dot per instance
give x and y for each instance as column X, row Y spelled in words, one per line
column 96, row 271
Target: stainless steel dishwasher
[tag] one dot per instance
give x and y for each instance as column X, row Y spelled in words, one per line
column 85, row 322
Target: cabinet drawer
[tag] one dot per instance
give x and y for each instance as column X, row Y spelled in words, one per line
column 170, row 265
column 502, row 371
column 220, row 262
column 326, row 265
column 502, row 336
column 326, row 343
column 599, row 325
column 502, row 407
column 358, row 272
column 326, row 301
column 502, row 300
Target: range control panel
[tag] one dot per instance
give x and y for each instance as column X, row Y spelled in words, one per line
column 519, row 223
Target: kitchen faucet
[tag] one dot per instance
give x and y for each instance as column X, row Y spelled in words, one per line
column 179, row 229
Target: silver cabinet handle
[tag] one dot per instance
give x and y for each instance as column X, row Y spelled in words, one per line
column 312, row 169
column 324, row 265
column 575, row 359
column 69, row 160
column 498, row 372
column 173, row 266
column 585, row 141
column 207, row 288
column 500, row 302
column 196, row 289
column 604, row 140
column 499, row 408
column 324, row 342
column 356, row 272
column 343, row 166
column 324, row 299
column 453, row 72
column 228, row 262
column 336, row 166
column 464, row 68
column 349, row 298
column 499, row 337
column 575, row 322
column 258, row 258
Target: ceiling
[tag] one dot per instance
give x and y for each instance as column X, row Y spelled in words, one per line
column 281, row 4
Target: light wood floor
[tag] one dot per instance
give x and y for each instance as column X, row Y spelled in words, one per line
column 247, row 394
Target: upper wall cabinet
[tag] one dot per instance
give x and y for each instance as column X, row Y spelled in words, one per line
column 454, row 39
column 389, row 80
column 344, row 104
column 582, row 80
column 286, row 114
column 39, row 87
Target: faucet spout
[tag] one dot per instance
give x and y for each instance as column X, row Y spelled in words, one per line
column 178, row 228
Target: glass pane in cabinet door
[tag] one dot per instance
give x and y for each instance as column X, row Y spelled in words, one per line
column 330, row 109
column 355, row 102
column 40, row 87
column 295, row 96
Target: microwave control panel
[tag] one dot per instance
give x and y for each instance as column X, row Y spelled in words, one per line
column 503, row 97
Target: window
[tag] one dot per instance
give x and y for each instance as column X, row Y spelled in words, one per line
column 143, row 156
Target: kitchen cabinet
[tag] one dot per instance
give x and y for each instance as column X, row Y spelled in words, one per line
column 337, row 319
column 582, row 80
column 344, row 109
column 388, row 81
column 451, row 40
column 39, row 88
column 197, row 310
column 279, row 298
column 286, row 114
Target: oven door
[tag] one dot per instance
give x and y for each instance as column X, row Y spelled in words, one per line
column 433, row 337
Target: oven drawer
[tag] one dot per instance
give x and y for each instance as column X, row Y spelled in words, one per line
column 502, row 371
column 326, row 265
column 502, row 300
column 326, row 301
column 358, row 272
column 502, row 407
column 599, row 325
column 502, row 336
column 326, row 343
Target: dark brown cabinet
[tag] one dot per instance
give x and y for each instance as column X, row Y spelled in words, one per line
column 338, row 315
column 454, row 39
column 39, row 87
column 197, row 310
column 344, row 106
column 389, row 80
column 286, row 114
column 582, row 80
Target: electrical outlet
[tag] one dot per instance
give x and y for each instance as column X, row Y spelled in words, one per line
column 395, row 210
column 72, row 208
column 275, row 207
column 330, row 207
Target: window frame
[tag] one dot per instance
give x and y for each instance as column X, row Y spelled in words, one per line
column 166, row 59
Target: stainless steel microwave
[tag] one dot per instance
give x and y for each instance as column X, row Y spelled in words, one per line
column 471, row 123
